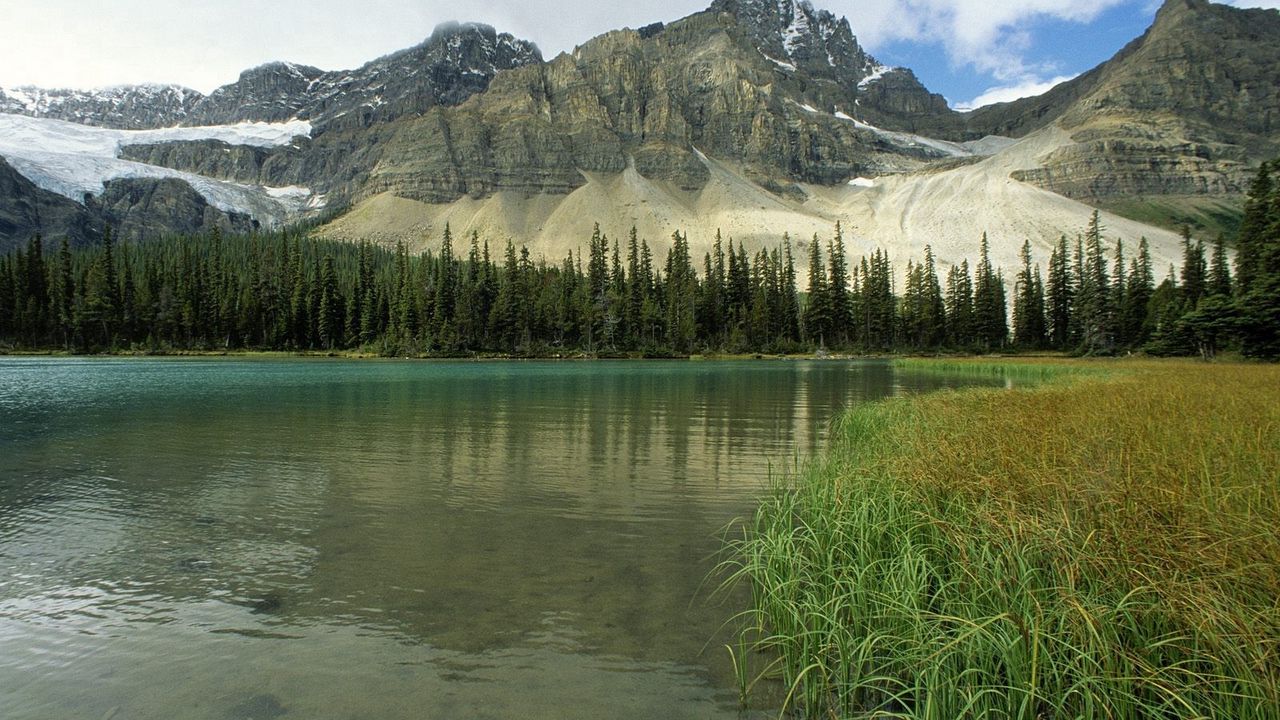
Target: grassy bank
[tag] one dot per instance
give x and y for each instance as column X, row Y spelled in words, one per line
column 1105, row 544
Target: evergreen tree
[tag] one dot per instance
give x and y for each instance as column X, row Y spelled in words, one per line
column 1219, row 271
column 102, row 304
column 817, row 311
column 445, row 300
column 1115, row 304
column 597, row 287
column 331, row 308
column 879, row 302
column 960, row 325
column 636, row 292
column 989, row 308
column 65, row 296
column 1258, row 276
column 1135, row 312
column 839, row 306
column 1194, row 269
column 681, row 296
column 1258, row 217
column 789, row 308
column 504, row 321
column 1093, row 300
column 1028, row 304
column 33, row 296
column 934, row 314
column 7, row 299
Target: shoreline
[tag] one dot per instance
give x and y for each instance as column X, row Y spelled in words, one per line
column 1103, row 538
column 573, row 356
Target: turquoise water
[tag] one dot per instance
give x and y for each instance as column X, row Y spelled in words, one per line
column 330, row 539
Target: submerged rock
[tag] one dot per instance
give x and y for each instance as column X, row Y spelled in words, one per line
column 263, row 706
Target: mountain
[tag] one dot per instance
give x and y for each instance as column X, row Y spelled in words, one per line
column 129, row 107
column 456, row 62
column 1179, row 117
column 235, row 176
column 753, row 116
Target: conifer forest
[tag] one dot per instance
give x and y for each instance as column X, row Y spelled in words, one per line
column 285, row 291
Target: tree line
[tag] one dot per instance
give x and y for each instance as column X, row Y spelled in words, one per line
column 285, row 291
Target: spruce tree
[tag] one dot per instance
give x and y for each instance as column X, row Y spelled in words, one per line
column 989, row 310
column 817, row 311
column 960, row 328
column 839, row 307
column 330, row 320
column 1258, row 216
column 8, row 329
column 1028, row 304
column 1194, row 269
column 1258, row 277
column 1135, row 312
column 102, row 304
column 1219, row 271
column 1093, row 299
column 65, row 296
column 789, row 307
column 444, row 302
column 680, row 296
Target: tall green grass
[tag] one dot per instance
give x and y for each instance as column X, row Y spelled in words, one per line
column 1107, row 546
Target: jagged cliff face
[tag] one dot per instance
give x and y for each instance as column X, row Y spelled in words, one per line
column 755, row 81
column 820, row 48
column 773, row 85
column 456, row 62
column 133, row 107
column 1187, row 109
column 135, row 208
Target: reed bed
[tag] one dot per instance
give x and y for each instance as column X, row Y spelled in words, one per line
column 1102, row 545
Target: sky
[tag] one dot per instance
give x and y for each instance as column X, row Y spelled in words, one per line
column 971, row 51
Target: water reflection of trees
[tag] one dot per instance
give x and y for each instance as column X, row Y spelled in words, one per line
column 458, row 503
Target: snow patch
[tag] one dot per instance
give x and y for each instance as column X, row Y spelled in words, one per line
column 19, row 133
column 909, row 141
column 289, row 191
column 77, row 160
column 862, row 182
column 877, row 72
column 799, row 26
column 779, row 63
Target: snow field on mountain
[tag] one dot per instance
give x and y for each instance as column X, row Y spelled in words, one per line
column 74, row 160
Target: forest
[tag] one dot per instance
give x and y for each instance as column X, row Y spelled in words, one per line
column 287, row 291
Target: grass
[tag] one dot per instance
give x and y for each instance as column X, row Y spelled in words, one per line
column 1207, row 216
column 1103, row 544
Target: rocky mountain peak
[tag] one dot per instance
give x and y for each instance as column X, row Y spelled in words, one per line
column 127, row 107
column 793, row 32
column 1174, row 8
column 457, row 61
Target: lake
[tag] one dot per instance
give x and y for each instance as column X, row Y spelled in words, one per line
column 238, row 538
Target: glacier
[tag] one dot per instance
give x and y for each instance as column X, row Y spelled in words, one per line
column 75, row 160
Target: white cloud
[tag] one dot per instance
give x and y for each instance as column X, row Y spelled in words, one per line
column 92, row 43
column 988, row 35
column 87, row 43
column 1007, row 93
column 1266, row 4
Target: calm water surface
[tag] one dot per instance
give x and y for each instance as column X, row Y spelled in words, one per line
column 321, row 539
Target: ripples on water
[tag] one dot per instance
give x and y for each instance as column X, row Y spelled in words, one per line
column 317, row 539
